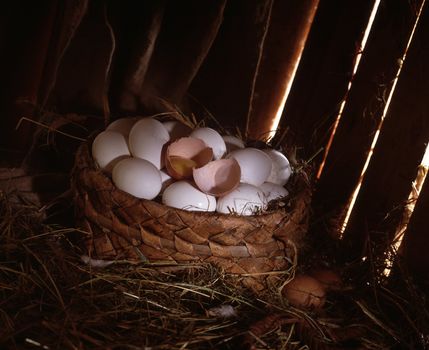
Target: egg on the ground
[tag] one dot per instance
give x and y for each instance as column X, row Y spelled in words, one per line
column 305, row 292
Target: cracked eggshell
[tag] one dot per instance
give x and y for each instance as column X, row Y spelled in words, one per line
column 218, row 177
column 255, row 165
column 176, row 129
column 184, row 195
column 108, row 148
column 212, row 139
column 137, row 177
column 185, row 154
column 244, row 200
column 273, row 191
column 281, row 170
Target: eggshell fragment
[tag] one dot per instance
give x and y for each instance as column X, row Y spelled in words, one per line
column 255, row 165
column 176, row 129
column 273, row 191
column 185, row 154
column 183, row 195
column 281, row 170
column 305, row 292
column 137, row 177
column 212, row 139
column 218, row 177
column 232, row 143
column 108, row 148
column 122, row 125
column 244, row 200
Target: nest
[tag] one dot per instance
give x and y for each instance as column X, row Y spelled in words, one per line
column 120, row 226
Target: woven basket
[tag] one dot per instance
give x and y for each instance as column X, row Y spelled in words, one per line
column 121, row 226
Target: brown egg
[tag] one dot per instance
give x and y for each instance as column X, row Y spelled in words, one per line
column 305, row 292
column 329, row 278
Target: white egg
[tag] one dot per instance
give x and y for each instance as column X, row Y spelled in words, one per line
column 122, row 125
column 212, row 139
column 146, row 127
column 108, row 148
column 244, row 200
column 149, row 148
column 281, row 170
column 232, row 143
column 255, row 165
column 183, row 195
column 176, row 129
column 273, row 191
column 137, row 177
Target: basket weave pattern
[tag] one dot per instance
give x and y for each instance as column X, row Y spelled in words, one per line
column 121, row 226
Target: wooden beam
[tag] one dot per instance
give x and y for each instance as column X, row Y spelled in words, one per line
column 399, row 151
column 287, row 34
column 363, row 110
column 416, row 240
column 323, row 74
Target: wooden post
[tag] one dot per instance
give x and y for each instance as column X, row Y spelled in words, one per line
column 398, row 153
column 287, row 34
column 364, row 109
column 323, row 74
column 416, row 240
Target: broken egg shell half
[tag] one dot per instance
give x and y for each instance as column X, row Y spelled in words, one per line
column 245, row 200
column 108, row 148
column 212, row 139
column 185, row 154
column 184, row 195
column 218, row 177
column 255, row 165
column 281, row 169
column 273, row 191
column 305, row 292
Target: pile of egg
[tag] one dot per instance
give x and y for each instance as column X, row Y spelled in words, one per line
column 197, row 170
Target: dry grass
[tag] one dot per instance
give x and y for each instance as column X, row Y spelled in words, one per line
column 51, row 299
